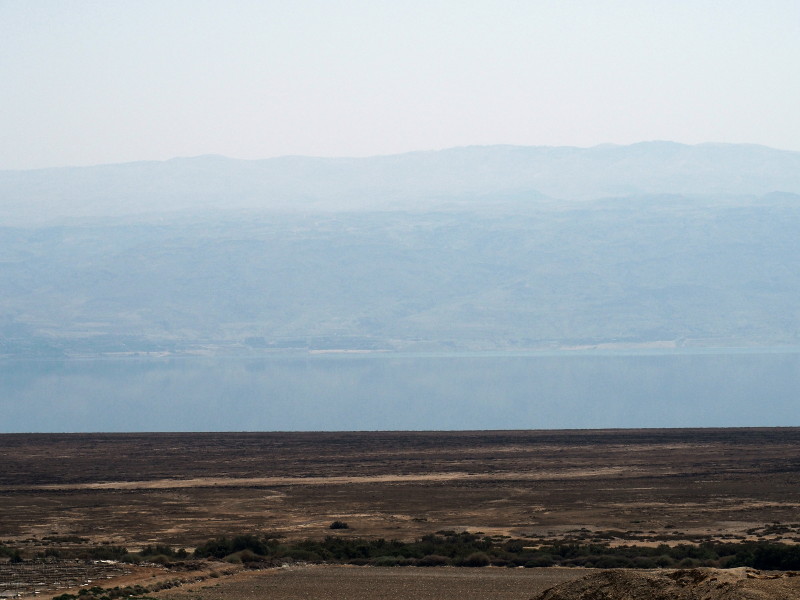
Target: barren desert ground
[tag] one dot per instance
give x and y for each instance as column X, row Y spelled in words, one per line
column 615, row 486
column 184, row 488
column 376, row 583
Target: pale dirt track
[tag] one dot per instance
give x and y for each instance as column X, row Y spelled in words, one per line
column 204, row 482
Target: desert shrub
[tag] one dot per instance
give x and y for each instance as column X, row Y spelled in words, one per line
column 135, row 592
column 644, row 562
column 125, row 592
column 472, row 549
column 301, row 555
column 216, row 548
column 452, row 544
column 385, row 561
column 727, row 562
column 406, row 562
column 339, row 525
column 612, row 562
column 250, row 542
column 514, row 546
column 223, row 546
column 542, row 560
column 476, row 559
column 248, row 556
column 776, row 556
column 50, row 553
column 664, row 561
column 158, row 550
column 131, row 558
column 433, row 560
column 104, row 553
column 566, row 551
column 700, row 552
column 164, row 585
column 66, row 539
column 688, row 563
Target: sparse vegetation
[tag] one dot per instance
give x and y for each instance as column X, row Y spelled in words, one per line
column 135, row 592
column 474, row 550
column 602, row 520
column 450, row 548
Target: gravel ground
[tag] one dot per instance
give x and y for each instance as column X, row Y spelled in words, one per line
column 374, row 583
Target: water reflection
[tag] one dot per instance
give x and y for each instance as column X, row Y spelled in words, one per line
column 402, row 392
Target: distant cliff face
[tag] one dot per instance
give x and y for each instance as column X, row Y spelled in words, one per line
column 490, row 248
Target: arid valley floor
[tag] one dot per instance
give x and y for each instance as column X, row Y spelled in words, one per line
column 610, row 486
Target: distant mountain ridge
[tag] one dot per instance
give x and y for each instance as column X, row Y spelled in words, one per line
column 412, row 180
column 468, row 249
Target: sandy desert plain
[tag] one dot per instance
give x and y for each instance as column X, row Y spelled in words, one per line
column 63, row 492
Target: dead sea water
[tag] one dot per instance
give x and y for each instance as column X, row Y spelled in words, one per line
column 298, row 392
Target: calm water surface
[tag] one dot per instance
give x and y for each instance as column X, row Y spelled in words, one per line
column 348, row 392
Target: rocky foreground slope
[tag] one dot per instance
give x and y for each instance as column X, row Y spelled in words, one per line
column 682, row 584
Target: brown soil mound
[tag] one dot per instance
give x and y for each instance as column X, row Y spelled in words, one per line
column 683, row 584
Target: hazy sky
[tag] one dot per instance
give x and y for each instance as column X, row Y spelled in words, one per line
column 85, row 82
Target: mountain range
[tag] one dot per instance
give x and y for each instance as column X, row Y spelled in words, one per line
column 491, row 248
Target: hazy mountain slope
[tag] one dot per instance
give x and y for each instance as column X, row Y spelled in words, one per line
column 460, row 175
column 471, row 248
column 633, row 270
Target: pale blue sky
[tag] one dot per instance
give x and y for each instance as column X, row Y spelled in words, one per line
column 87, row 82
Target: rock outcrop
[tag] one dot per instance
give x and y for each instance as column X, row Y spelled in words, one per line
column 682, row 584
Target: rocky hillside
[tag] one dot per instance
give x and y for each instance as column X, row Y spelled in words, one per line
column 683, row 584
